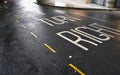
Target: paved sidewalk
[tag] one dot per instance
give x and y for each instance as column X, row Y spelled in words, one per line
column 77, row 4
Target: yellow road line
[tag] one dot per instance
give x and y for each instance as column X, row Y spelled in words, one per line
column 51, row 49
column 34, row 34
column 16, row 17
column 23, row 26
column 76, row 69
column 17, row 21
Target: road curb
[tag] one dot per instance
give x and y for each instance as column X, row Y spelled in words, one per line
column 109, row 9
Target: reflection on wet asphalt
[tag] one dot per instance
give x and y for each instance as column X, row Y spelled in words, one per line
column 41, row 40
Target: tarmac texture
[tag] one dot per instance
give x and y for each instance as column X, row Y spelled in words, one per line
column 41, row 40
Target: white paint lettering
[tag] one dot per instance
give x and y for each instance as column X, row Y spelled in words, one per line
column 104, row 28
column 76, row 42
column 106, row 38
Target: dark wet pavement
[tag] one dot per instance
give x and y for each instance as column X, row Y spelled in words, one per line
column 26, row 28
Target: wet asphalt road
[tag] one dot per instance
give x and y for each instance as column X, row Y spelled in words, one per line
column 38, row 40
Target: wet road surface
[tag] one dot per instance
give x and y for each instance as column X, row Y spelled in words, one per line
column 40, row 40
